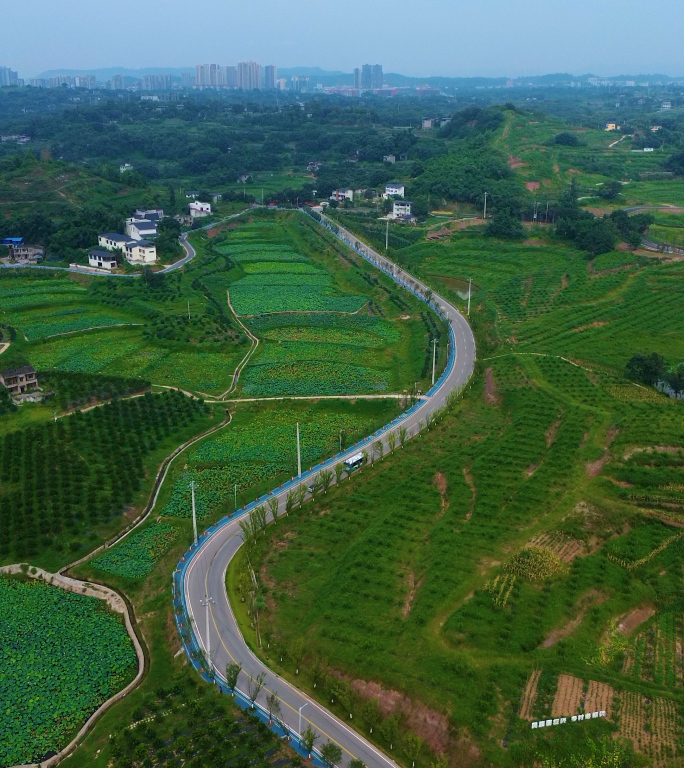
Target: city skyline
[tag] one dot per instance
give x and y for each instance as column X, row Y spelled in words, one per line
column 449, row 39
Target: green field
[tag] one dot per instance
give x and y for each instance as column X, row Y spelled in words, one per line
column 64, row 654
column 259, row 450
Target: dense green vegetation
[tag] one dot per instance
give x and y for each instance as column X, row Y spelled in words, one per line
column 63, row 655
column 74, row 477
column 512, row 540
column 72, row 390
column 466, row 527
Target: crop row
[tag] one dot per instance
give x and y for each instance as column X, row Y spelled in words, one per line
column 59, row 479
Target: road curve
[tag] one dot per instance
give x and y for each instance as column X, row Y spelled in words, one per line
column 201, row 573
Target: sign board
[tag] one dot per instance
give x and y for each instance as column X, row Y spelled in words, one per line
column 573, row 719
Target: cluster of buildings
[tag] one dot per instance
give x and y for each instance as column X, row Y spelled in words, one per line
column 9, row 77
column 20, row 252
column 248, row 75
column 369, row 77
column 136, row 246
column 394, row 190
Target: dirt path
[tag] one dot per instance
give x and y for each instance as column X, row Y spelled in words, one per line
column 4, row 347
column 314, row 397
column 92, row 328
column 246, row 358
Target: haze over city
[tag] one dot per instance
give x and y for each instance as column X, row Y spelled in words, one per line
column 437, row 37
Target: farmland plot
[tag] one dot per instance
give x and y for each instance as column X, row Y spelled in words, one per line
column 599, row 698
column 651, row 725
column 63, row 656
column 569, row 696
column 260, row 446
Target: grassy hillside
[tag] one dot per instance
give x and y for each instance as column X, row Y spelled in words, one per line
column 534, row 529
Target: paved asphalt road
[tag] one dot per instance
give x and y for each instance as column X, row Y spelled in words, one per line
column 217, row 630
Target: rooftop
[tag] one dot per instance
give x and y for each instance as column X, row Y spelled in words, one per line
column 22, row 370
column 116, row 237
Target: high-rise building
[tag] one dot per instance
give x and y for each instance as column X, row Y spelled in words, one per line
column 213, row 72
column 201, row 76
column 85, row 81
column 370, row 77
column 60, row 81
column 270, row 77
column 187, row 80
column 39, row 82
column 228, row 77
column 118, row 83
column 357, row 79
column 249, row 75
column 299, row 84
column 8, row 77
column 156, row 83
column 366, row 77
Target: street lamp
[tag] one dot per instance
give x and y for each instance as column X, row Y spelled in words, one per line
column 306, row 704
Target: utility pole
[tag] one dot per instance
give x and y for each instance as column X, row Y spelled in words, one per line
column 340, row 441
column 387, row 237
column 188, row 309
column 434, row 359
column 546, row 218
column 470, row 281
column 236, row 496
column 194, row 513
column 299, row 455
column 485, row 207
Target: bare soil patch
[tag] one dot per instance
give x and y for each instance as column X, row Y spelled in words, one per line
column 565, row 547
column 430, row 725
column 563, row 286
column 529, row 695
column 490, row 388
column 413, row 587
column 593, row 597
column 599, row 697
column 552, row 431
column 595, row 324
column 516, row 162
column 533, row 242
column 568, row 698
column 473, row 491
column 532, row 186
column 465, row 223
column 652, row 449
column 634, row 618
column 440, row 483
column 594, row 467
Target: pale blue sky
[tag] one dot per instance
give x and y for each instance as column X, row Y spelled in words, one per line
column 416, row 37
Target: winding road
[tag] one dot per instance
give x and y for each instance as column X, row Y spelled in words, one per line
column 201, row 573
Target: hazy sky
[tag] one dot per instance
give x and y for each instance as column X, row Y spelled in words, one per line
column 414, row 37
